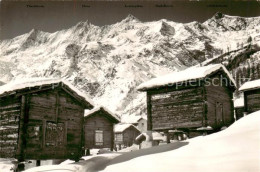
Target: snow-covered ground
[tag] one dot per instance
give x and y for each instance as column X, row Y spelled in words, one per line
column 90, row 163
column 7, row 165
column 235, row 149
column 134, row 147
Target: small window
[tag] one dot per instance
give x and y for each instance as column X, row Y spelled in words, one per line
column 99, row 137
column 142, row 124
column 119, row 137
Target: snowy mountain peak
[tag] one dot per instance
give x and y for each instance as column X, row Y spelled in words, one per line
column 109, row 62
column 33, row 34
column 34, row 37
column 223, row 22
column 130, row 18
column 82, row 24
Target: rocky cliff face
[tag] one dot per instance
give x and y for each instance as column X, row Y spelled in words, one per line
column 108, row 62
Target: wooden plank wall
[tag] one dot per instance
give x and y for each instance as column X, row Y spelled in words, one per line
column 239, row 112
column 54, row 108
column 9, row 125
column 98, row 121
column 72, row 113
column 129, row 136
column 177, row 109
column 252, row 100
column 219, row 94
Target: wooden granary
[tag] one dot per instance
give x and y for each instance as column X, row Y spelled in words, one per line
column 251, row 92
column 125, row 135
column 41, row 119
column 239, row 108
column 190, row 100
column 98, row 128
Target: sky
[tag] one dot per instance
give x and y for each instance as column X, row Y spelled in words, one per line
column 19, row 17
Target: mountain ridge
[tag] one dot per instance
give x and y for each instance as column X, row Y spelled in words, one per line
column 108, row 62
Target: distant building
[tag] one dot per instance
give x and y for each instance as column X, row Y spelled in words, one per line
column 41, row 119
column 139, row 121
column 192, row 100
column 142, row 124
column 98, row 128
column 251, row 92
column 239, row 108
column 125, row 135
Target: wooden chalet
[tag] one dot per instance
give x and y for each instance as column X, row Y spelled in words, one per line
column 139, row 121
column 125, row 135
column 98, row 128
column 41, row 119
column 251, row 92
column 141, row 124
column 239, row 108
column 190, row 100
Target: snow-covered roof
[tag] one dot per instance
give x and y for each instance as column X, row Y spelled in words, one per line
column 192, row 73
column 239, row 102
column 119, row 128
column 250, row 85
column 132, row 118
column 90, row 112
column 37, row 82
column 156, row 136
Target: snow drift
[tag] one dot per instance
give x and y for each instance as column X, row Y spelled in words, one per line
column 235, row 149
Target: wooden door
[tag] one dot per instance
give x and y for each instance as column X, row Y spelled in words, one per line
column 55, row 134
column 99, row 138
column 89, row 136
column 219, row 113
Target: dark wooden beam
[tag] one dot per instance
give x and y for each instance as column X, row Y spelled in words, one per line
column 38, row 163
column 65, row 133
column 205, row 107
column 82, row 143
column 57, row 107
column 245, row 102
column 149, row 111
column 43, row 133
column 112, row 140
column 22, row 128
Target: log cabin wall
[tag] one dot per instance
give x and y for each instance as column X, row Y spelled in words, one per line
column 129, row 136
column 98, row 130
column 252, row 100
column 239, row 112
column 219, row 98
column 170, row 108
column 10, row 110
column 54, row 128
